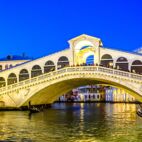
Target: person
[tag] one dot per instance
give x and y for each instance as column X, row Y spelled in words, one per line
column 29, row 104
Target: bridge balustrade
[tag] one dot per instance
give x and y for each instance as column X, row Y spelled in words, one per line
column 72, row 69
column 27, row 81
column 41, row 77
column 107, row 70
column 136, row 76
column 15, row 85
column 2, row 89
column 46, row 75
column 34, row 79
column 9, row 87
column 21, row 83
column 89, row 68
column 122, row 73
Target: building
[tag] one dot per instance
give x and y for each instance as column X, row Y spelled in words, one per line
column 97, row 93
column 117, row 95
column 12, row 61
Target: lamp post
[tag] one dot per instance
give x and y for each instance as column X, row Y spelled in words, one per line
column 133, row 71
column 111, row 64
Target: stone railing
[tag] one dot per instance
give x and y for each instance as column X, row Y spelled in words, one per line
column 80, row 69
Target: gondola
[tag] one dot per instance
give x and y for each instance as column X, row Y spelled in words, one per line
column 34, row 110
column 139, row 110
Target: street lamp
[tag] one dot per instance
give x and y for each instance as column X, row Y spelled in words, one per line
column 133, row 71
column 111, row 64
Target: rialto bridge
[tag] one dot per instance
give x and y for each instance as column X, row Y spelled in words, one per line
column 85, row 62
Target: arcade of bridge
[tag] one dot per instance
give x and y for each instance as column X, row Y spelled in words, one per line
column 63, row 61
column 80, row 48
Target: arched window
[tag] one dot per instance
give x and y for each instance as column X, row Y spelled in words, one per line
column 0, row 67
column 2, row 82
column 23, row 75
column 49, row 66
column 62, row 62
column 106, row 57
column 136, row 62
column 122, row 63
column 36, row 71
column 12, row 79
column 107, row 60
column 136, row 66
column 90, row 60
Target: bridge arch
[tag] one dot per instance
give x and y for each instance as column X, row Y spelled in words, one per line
column 122, row 63
column 90, row 60
column 36, row 71
column 23, row 75
column 49, row 66
column 82, row 45
column 12, row 78
column 107, row 60
column 136, row 66
column 66, row 82
column 63, row 61
column 2, row 82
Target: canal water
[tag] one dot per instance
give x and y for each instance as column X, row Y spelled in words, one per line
column 78, row 122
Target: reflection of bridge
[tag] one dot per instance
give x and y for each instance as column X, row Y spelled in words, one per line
column 42, row 82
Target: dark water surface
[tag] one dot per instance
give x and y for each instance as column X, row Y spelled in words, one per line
column 94, row 122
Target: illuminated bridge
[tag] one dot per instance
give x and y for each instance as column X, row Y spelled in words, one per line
column 85, row 62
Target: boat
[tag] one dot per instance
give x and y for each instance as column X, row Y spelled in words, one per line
column 34, row 110
column 139, row 111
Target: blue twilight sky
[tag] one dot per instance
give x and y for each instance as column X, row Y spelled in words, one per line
column 41, row 27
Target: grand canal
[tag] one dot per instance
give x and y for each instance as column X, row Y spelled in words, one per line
column 94, row 122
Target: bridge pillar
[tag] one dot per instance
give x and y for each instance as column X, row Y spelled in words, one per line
column 130, row 64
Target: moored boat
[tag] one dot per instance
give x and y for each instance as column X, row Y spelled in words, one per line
column 139, row 110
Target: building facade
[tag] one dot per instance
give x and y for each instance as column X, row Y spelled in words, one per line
column 97, row 93
column 12, row 61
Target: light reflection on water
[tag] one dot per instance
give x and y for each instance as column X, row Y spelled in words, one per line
column 94, row 122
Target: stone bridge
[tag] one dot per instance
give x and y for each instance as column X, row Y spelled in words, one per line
column 86, row 61
column 46, row 88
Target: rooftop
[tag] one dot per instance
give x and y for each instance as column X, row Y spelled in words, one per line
column 15, row 57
